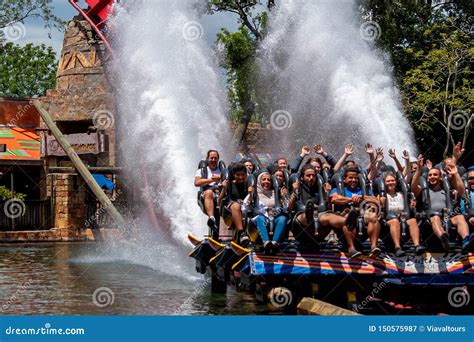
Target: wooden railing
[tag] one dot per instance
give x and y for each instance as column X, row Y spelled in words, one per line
column 25, row 215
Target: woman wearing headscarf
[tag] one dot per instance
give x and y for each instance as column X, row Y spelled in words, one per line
column 265, row 210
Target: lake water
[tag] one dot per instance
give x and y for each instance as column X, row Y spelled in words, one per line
column 61, row 278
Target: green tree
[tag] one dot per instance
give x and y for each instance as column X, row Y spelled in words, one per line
column 26, row 71
column 403, row 25
column 438, row 94
column 239, row 49
column 14, row 11
column 239, row 56
column 247, row 11
column 430, row 46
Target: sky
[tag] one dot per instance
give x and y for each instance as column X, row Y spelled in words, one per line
column 36, row 33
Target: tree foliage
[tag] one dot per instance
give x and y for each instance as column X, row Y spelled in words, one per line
column 26, row 71
column 429, row 44
column 431, row 49
column 6, row 194
column 239, row 52
column 438, row 92
column 239, row 56
column 239, row 49
column 404, row 24
column 13, row 11
column 249, row 17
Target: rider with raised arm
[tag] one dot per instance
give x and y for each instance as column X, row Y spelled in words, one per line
column 407, row 174
column 318, row 149
column 458, row 151
column 438, row 202
column 376, row 161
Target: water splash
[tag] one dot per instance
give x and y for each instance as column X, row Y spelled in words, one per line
column 321, row 66
column 171, row 104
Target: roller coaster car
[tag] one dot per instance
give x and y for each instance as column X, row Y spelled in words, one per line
column 306, row 273
column 323, row 274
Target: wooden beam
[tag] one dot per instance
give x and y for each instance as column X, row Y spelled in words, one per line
column 80, row 166
column 311, row 306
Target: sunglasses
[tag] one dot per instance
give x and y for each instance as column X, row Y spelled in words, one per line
column 471, row 178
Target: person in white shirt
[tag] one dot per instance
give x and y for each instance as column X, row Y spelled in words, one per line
column 208, row 186
column 394, row 206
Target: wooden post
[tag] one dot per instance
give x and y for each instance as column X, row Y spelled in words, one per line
column 80, row 167
column 311, row 306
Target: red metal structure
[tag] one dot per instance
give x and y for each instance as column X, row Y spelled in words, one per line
column 96, row 15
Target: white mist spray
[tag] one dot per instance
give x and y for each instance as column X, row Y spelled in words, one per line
column 335, row 85
column 171, row 105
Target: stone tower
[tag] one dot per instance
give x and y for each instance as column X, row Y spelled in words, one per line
column 82, row 101
column 82, row 107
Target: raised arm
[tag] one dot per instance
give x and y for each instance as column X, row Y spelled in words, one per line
column 415, row 183
column 374, row 165
column 320, row 150
column 348, row 150
column 295, row 165
column 393, row 155
column 406, row 169
column 455, row 179
column 370, row 152
column 457, row 152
